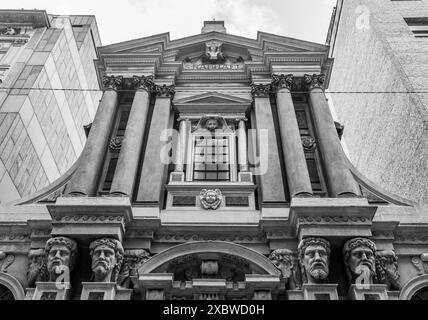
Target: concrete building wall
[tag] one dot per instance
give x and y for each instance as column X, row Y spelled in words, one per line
column 379, row 70
column 48, row 93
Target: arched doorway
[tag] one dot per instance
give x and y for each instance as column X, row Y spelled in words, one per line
column 10, row 288
column 5, row 293
column 415, row 289
column 208, row 270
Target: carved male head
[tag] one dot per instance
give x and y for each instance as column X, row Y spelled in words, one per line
column 387, row 269
column 314, row 256
column 37, row 270
column 359, row 259
column 284, row 260
column 61, row 253
column 107, row 257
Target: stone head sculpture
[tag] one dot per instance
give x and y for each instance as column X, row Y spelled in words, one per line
column 387, row 269
column 107, row 256
column 37, row 269
column 61, row 253
column 314, row 259
column 359, row 259
column 212, row 124
column 285, row 260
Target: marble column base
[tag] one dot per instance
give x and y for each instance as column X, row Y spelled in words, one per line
column 50, row 291
column 104, row 291
column 368, row 292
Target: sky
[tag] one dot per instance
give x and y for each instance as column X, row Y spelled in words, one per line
column 121, row 20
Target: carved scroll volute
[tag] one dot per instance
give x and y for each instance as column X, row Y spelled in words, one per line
column 282, row 82
column 261, row 90
column 315, row 81
column 112, row 82
column 143, row 83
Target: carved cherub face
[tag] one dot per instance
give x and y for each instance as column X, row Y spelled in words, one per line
column 210, row 196
column 211, row 124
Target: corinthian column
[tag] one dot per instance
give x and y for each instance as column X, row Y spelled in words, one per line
column 127, row 165
column 154, row 168
column 340, row 181
column 297, row 172
column 85, row 180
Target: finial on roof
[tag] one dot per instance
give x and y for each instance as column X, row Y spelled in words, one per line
column 213, row 25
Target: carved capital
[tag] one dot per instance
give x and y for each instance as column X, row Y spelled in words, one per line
column 261, row 90
column 315, row 81
column 143, row 83
column 282, row 82
column 164, row 91
column 112, row 82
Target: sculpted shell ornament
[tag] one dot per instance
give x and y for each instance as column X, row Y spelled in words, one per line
column 210, row 199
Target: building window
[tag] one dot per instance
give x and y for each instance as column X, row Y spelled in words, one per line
column 419, row 26
column 211, row 158
column 211, row 151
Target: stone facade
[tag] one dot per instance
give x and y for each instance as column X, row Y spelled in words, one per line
column 48, row 92
column 213, row 170
column 375, row 52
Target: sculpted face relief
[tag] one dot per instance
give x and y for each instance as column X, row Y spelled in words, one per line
column 314, row 255
column 107, row 255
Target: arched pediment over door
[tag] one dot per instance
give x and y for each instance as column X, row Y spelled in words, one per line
column 214, row 268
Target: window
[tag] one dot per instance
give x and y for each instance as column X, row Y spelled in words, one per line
column 419, row 26
column 211, row 151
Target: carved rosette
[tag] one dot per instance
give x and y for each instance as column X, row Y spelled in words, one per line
column 112, row 82
column 261, row 90
column 143, row 83
column 164, row 91
column 309, row 143
column 116, row 143
column 282, row 82
column 315, row 81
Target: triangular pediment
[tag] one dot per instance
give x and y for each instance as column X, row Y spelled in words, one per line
column 213, row 98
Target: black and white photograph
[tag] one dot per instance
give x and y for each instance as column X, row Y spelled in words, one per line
column 213, row 156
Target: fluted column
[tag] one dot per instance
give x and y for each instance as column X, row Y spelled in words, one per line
column 154, row 169
column 271, row 182
column 127, row 165
column 340, row 181
column 242, row 146
column 297, row 172
column 85, row 180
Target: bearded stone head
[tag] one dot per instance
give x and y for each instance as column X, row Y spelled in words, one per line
column 314, row 256
column 61, row 253
column 107, row 256
column 359, row 259
column 387, row 269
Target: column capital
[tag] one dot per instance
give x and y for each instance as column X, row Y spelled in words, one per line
column 261, row 90
column 112, row 82
column 315, row 81
column 164, row 91
column 282, row 81
column 143, row 83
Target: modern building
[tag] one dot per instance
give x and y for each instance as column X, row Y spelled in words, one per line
column 48, row 92
column 213, row 170
column 379, row 90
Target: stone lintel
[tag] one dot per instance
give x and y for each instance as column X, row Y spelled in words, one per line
column 90, row 218
column 333, row 218
column 262, row 282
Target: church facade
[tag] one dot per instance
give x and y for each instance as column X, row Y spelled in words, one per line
column 213, row 170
